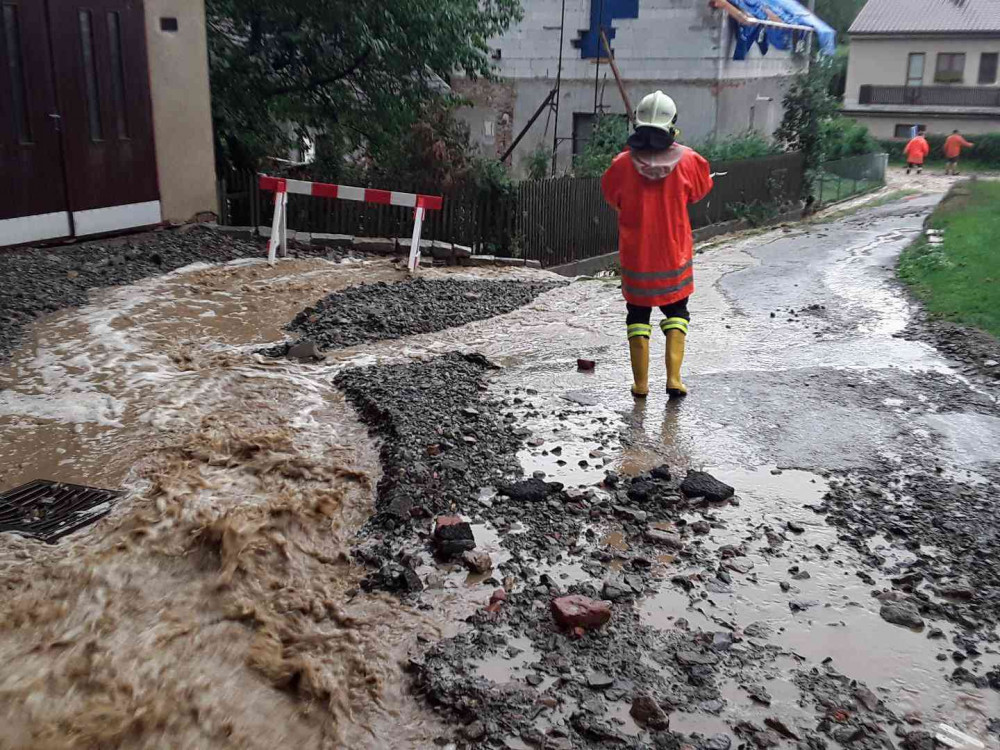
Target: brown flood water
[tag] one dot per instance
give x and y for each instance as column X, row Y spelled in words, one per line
column 217, row 604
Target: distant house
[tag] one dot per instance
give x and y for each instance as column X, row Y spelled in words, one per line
column 925, row 62
column 727, row 77
column 105, row 117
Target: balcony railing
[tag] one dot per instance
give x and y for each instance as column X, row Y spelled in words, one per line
column 932, row 96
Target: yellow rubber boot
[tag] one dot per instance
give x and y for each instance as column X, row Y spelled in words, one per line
column 638, row 350
column 675, row 330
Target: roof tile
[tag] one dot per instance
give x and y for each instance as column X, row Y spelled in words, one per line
column 928, row 17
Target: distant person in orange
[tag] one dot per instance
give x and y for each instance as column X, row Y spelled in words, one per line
column 916, row 151
column 952, row 150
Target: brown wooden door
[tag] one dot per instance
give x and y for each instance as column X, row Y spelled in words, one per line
column 32, row 192
column 101, row 73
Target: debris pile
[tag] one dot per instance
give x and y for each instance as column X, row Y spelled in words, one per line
column 380, row 311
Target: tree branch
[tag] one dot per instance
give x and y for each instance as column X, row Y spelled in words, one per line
column 313, row 84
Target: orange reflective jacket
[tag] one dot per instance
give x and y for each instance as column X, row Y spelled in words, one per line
column 916, row 150
column 953, row 146
column 654, row 231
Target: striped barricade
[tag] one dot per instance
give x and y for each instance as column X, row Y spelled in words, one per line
column 282, row 186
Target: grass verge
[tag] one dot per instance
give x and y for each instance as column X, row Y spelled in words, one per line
column 959, row 280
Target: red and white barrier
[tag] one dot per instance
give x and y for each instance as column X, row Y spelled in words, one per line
column 282, row 187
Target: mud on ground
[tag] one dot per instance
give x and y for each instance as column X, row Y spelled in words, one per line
column 39, row 281
column 517, row 679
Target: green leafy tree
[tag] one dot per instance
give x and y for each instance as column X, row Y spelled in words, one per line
column 808, row 105
column 361, row 73
column 840, row 14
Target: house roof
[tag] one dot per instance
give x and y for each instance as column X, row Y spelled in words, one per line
column 928, row 17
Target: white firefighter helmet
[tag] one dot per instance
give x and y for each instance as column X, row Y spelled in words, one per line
column 656, row 110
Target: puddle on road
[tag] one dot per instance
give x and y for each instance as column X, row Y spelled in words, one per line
column 102, row 386
column 841, row 622
column 511, row 664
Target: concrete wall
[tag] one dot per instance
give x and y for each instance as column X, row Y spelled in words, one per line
column 696, row 103
column 883, row 61
column 883, row 126
column 182, row 115
column 680, row 46
column 670, row 40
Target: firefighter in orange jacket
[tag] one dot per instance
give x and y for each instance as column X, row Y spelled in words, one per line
column 650, row 186
column 915, row 152
column 953, row 146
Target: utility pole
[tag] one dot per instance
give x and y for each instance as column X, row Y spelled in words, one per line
column 597, row 67
column 555, row 131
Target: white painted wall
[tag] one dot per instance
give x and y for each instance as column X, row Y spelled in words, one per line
column 880, row 61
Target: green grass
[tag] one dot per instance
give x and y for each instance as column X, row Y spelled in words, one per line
column 959, row 280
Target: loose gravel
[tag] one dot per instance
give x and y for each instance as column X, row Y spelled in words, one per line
column 375, row 312
column 441, row 439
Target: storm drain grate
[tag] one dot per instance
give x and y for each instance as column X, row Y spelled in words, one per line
column 48, row 510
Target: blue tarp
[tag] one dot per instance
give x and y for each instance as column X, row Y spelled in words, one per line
column 747, row 36
column 789, row 11
column 590, row 40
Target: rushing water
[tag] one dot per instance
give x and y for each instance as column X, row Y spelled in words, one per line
column 217, row 604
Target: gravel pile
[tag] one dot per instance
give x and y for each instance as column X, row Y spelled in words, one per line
column 441, row 441
column 374, row 312
column 34, row 282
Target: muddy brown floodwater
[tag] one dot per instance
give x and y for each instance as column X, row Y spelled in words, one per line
column 224, row 574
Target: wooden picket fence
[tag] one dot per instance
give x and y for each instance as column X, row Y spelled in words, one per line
column 553, row 221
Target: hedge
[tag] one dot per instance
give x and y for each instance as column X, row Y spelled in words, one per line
column 986, row 151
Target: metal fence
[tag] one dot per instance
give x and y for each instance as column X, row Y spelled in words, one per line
column 553, row 221
column 564, row 220
column 845, row 178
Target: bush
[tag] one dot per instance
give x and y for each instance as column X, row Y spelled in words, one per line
column 808, row 106
column 843, row 137
column 612, row 132
column 748, row 146
column 606, row 142
column 986, row 151
column 537, row 163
